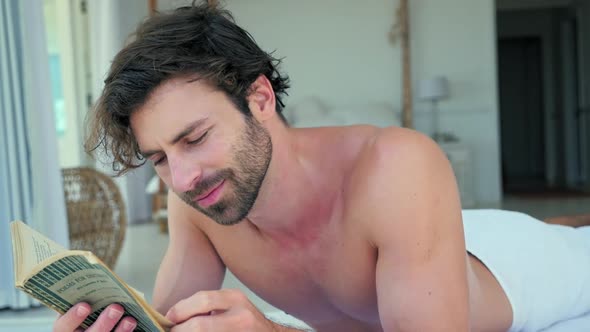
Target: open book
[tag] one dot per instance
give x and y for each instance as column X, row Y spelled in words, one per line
column 60, row 278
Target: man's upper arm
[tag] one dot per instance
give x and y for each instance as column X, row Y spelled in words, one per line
column 190, row 264
column 416, row 226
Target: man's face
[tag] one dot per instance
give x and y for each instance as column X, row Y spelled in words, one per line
column 211, row 155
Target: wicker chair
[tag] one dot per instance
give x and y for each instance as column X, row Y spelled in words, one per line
column 96, row 213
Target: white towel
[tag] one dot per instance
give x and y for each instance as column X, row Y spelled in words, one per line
column 544, row 269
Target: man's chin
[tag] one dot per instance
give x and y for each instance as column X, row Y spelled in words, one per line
column 225, row 220
column 222, row 215
column 222, row 212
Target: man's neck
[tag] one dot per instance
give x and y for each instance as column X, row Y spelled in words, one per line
column 297, row 197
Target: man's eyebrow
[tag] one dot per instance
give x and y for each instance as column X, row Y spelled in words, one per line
column 186, row 131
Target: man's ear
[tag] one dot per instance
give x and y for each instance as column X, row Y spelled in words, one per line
column 262, row 99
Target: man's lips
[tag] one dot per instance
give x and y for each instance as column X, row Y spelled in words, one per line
column 205, row 195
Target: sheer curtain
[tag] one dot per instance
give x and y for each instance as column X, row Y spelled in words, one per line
column 30, row 179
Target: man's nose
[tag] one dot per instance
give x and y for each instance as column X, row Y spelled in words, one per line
column 184, row 175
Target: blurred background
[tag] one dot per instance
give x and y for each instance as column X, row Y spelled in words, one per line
column 503, row 86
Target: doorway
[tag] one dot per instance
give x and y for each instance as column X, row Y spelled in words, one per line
column 542, row 134
column 521, row 113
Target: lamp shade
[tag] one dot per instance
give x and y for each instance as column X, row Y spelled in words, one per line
column 434, row 88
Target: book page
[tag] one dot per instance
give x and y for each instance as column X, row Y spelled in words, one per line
column 31, row 248
column 60, row 278
column 80, row 277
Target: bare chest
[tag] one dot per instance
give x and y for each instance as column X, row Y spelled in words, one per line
column 332, row 280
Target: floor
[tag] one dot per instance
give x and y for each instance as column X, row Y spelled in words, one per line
column 145, row 245
column 548, row 207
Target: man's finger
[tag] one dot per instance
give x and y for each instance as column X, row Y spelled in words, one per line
column 72, row 319
column 108, row 319
column 126, row 324
column 199, row 324
column 203, row 303
column 228, row 321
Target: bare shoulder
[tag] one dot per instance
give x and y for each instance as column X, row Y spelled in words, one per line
column 399, row 174
column 397, row 155
column 398, row 146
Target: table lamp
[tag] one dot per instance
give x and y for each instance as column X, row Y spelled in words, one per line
column 434, row 90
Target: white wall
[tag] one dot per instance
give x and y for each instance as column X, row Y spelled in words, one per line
column 336, row 49
column 339, row 50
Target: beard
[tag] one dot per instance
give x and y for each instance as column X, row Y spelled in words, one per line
column 252, row 155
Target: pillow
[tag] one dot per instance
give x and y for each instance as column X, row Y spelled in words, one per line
column 313, row 112
column 376, row 114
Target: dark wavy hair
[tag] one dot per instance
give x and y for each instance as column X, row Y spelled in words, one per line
column 201, row 41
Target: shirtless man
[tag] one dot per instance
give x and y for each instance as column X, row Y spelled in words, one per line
column 349, row 229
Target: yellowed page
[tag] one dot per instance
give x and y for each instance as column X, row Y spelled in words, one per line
column 30, row 248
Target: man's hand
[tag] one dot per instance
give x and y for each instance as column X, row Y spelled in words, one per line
column 220, row 311
column 108, row 319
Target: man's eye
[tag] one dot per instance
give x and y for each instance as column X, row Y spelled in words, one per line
column 198, row 140
column 159, row 161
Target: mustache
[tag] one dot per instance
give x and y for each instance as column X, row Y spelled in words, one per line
column 206, row 184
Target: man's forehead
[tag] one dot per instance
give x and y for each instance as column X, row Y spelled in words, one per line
column 175, row 87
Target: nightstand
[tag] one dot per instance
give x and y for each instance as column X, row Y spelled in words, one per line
column 461, row 160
